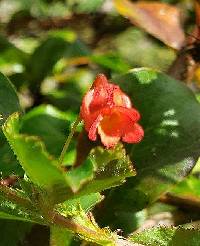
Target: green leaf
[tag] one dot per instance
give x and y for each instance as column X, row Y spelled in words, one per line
column 102, row 170
column 60, row 236
column 188, row 188
column 41, row 168
column 170, row 116
column 101, row 236
column 10, row 53
column 12, row 211
column 9, row 104
column 163, row 236
column 43, row 59
column 77, row 49
column 112, row 167
column 88, row 6
column 111, row 61
column 50, row 124
column 76, row 209
column 81, row 175
column 13, row 232
column 86, row 203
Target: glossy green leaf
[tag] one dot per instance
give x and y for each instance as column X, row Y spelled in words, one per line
column 77, row 49
column 50, row 124
column 170, row 116
column 9, row 104
column 111, row 61
column 163, row 236
column 42, row 60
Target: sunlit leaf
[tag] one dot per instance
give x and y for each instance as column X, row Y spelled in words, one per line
column 163, row 236
column 112, row 168
column 41, row 168
column 164, row 157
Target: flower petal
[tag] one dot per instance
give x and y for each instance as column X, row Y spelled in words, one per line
column 132, row 113
column 85, row 110
column 108, row 110
column 100, row 80
column 133, row 134
column 92, row 133
column 107, row 140
column 120, row 98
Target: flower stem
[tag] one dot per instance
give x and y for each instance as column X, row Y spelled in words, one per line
column 68, row 140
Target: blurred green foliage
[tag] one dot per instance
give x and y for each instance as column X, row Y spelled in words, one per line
column 51, row 50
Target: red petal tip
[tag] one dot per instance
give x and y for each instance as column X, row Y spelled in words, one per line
column 100, row 80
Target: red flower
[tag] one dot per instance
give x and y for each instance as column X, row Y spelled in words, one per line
column 108, row 111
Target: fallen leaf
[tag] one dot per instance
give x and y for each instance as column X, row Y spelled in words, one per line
column 159, row 19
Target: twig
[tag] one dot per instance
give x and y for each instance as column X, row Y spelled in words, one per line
column 68, row 140
column 188, row 203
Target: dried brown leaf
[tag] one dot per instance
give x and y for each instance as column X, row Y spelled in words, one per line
column 159, row 19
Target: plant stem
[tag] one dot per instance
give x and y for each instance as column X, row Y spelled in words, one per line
column 83, row 231
column 68, row 140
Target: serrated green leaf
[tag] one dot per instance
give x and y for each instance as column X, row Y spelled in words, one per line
column 163, row 157
column 101, row 236
column 12, row 211
column 41, row 168
column 163, row 236
column 102, row 170
column 113, row 166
